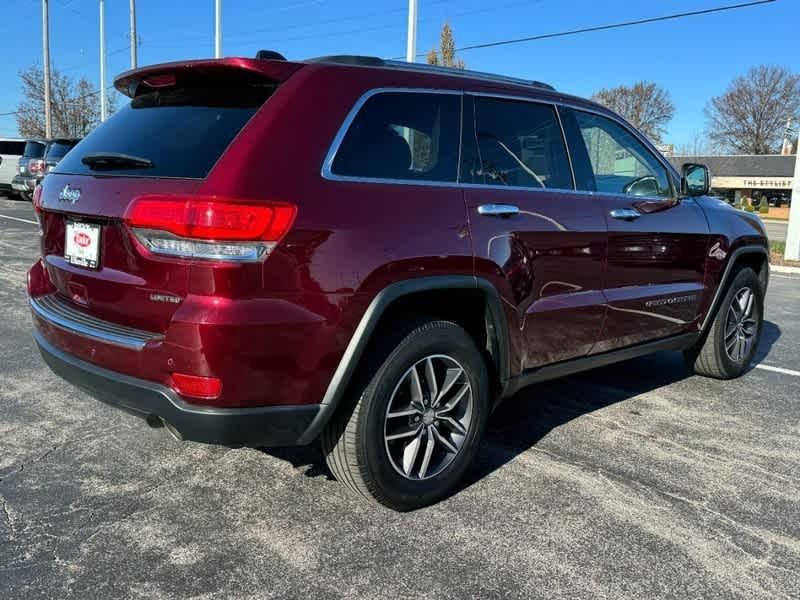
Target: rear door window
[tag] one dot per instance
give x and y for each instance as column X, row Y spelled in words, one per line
column 403, row 136
column 182, row 131
column 517, row 144
column 34, row 150
column 57, row 150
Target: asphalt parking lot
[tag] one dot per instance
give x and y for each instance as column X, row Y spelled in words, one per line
column 632, row 481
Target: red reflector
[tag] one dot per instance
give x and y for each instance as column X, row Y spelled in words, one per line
column 194, row 386
column 212, row 218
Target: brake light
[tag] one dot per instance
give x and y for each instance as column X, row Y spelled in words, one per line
column 210, row 228
column 195, row 386
column 36, row 166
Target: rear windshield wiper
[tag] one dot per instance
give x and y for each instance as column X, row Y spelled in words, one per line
column 115, row 160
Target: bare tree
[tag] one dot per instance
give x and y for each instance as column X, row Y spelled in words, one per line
column 645, row 105
column 75, row 105
column 749, row 117
column 446, row 55
column 695, row 147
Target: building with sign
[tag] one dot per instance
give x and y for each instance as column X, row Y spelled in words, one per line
column 749, row 178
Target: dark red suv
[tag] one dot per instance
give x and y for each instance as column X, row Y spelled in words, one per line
column 264, row 252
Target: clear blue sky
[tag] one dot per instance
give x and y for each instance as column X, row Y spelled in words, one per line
column 694, row 58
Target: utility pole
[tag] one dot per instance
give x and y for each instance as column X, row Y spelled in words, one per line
column 134, row 39
column 102, row 61
column 217, row 28
column 48, row 132
column 411, row 42
column 786, row 149
column 792, row 251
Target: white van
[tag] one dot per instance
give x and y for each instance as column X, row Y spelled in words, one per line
column 10, row 151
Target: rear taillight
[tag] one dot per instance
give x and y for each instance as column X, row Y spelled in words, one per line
column 36, row 166
column 209, row 228
column 37, row 206
column 37, row 199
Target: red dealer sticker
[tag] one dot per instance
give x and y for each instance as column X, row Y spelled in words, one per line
column 82, row 244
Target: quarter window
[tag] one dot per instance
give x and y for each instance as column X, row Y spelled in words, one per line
column 517, row 144
column 402, row 135
column 618, row 162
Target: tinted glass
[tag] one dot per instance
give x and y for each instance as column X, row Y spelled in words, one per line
column 403, row 136
column 517, row 144
column 34, row 150
column 12, row 148
column 182, row 130
column 620, row 163
column 57, row 150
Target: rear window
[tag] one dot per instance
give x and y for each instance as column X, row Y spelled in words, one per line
column 34, row 150
column 182, row 130
column 58, row 150
column 12, row 147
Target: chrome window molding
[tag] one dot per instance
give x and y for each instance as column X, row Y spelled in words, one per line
column 327, row 173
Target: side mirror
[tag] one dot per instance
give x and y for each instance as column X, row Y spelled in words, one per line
column 695, row 179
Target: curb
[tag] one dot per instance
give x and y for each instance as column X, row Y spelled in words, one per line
column 781, row 269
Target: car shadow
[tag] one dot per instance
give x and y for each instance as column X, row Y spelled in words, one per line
column 521, row 421
column 770, row 333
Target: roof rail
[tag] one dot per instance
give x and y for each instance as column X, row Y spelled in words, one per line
column 374, row 61
column 349, row 59
column 451, row 71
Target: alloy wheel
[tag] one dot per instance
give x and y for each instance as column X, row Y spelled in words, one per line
column 428, row 417
column 740, row 326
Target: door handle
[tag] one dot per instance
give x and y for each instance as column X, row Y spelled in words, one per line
column 498, row 210
column 626, row 214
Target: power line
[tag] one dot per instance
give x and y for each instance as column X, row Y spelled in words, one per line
column 70, row 101
column 545, row 36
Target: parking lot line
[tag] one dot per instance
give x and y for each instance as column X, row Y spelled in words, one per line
column 778, row 370
column 18, row 219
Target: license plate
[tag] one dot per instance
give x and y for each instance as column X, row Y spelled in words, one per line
column 82, row 244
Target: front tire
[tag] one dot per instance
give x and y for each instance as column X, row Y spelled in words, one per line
column 728, row 348
column 419, row 416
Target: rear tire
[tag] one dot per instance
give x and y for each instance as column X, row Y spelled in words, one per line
column 732, row 338
column 416, row 418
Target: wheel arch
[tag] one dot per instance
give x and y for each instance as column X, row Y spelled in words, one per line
column 423, row 295
column 752, row 256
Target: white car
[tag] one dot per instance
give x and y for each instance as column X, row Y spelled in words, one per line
column 10, row 151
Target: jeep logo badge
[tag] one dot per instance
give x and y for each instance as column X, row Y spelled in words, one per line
column 68, row 194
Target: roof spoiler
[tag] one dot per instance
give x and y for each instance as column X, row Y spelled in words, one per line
column 166, row 75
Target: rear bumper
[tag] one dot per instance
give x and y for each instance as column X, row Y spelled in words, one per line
column 262, row 426
column 23, row 184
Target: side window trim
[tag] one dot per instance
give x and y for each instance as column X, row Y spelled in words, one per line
column 327, row 164
column 557, row 105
